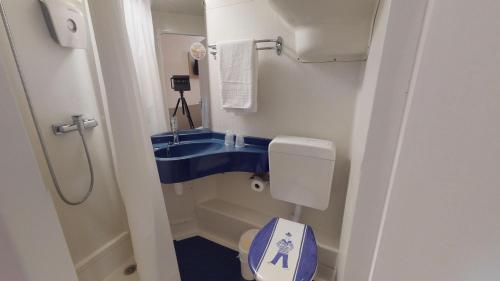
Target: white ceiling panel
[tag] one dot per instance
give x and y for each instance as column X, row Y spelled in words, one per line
column 188, row 7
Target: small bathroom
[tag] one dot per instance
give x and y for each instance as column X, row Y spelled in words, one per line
column 231, row 140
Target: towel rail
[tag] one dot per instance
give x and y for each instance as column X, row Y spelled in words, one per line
column 278, row 41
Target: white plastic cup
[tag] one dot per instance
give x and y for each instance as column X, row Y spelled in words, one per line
column 229, row 138
column 240, row 141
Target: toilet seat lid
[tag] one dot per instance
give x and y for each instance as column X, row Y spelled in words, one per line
column 284, row 250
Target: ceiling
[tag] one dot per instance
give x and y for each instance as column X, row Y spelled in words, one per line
column 327, row 30
column 188, row 7
column 305, row 13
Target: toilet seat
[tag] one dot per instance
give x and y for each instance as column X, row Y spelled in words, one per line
column 284, row 250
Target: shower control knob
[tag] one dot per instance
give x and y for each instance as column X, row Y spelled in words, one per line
column 77, row 122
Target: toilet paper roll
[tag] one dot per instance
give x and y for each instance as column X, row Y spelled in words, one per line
column 258, row 184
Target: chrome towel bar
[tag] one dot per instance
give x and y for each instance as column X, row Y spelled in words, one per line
column 278, row 47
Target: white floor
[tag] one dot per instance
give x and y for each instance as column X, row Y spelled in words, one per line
column 118, row 275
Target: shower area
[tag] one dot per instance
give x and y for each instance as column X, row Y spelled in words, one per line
column 59, row 88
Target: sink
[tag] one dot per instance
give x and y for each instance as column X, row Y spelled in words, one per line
column 201, row 153
column 186, row 149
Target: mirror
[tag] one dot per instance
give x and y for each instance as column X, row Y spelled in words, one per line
column 184, row 55
column 181, row 46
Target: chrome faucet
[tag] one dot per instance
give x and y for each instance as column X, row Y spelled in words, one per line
column 173, row 126
column 78, row 123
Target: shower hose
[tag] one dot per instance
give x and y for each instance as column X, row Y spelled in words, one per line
column 37, row 124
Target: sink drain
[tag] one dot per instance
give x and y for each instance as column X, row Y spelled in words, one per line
column 130, row 269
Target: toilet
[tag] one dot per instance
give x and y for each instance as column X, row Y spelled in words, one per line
column 301, row 172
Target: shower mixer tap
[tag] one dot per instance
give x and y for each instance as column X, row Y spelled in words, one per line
column 57, row 128
column 77, row 122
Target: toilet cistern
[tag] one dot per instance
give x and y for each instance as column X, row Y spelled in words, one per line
column 301, row 172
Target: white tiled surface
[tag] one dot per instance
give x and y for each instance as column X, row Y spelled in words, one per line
column 118, row 275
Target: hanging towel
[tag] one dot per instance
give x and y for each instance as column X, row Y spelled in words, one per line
column 238, row 75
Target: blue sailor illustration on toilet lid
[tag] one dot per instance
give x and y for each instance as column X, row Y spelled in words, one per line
column 284, row 250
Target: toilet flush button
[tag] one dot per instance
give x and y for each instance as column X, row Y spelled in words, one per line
column 71, row 25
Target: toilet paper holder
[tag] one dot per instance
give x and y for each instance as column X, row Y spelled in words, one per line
column 259, row 181
column 262, row 176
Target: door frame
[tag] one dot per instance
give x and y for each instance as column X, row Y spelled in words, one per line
column 367, row 192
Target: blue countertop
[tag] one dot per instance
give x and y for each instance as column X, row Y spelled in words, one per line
column 202, row 153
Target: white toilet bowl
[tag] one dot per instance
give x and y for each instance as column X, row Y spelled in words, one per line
column 284, row 250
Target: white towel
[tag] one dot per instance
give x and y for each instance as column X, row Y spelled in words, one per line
column 238, row 75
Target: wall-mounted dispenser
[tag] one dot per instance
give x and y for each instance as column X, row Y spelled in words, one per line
column 66, row 23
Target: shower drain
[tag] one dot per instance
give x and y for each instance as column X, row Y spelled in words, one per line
column 130, row 269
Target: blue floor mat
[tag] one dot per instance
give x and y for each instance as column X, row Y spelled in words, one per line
column 203, row 260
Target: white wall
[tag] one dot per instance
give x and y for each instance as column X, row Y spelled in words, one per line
column 61, row 83
column 181, row 209
column 312, row 100
column 178, row 23
column 32, row 246
column 441, row 214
